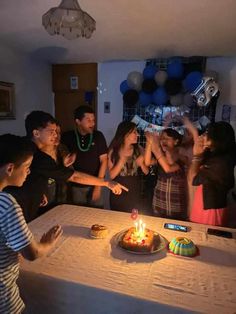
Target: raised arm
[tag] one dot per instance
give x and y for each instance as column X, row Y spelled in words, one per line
column 191, row 128
column 198, row 149
column 167, row 165
column 115, row 169
column 140, row 161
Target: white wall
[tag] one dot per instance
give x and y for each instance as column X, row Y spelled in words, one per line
column 32, row 81
column 226, row 68
column 110, row 75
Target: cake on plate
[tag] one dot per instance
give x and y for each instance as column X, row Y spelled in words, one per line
column 183, row 246
column 136, row 242
column 98, row 231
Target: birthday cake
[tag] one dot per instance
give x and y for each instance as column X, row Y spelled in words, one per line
column 98, row 231
column 134, row 241
column 183, row 246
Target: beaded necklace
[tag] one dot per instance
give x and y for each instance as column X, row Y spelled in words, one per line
column 78, row 142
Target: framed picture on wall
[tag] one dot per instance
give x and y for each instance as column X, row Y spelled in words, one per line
column 7, row 101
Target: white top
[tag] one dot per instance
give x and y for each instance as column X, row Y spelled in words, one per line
column 79, row 265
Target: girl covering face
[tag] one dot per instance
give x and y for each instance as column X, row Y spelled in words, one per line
column 212, row 171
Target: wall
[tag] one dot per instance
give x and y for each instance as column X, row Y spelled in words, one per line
column 110, row 75
column 32, row 81
column 226, row 68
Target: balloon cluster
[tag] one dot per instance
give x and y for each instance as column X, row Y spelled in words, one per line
column 161, row 92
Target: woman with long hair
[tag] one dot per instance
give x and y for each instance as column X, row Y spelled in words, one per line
column 212, row 171
column 125, row 164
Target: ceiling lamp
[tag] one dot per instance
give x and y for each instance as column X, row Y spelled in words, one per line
column 69, row 21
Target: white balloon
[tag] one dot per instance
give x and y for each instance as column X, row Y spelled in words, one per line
column 135, row 80
column 177, row 100
column 161, row 77
column 188, row 100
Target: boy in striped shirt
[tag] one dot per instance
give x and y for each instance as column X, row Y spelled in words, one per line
column 16, row 155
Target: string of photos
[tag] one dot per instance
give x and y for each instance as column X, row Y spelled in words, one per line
column 167, row 91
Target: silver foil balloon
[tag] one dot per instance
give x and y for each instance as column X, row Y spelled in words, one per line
column 207, row 89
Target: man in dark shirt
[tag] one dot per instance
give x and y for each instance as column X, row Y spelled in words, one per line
column 41, row 127
column 91, row 155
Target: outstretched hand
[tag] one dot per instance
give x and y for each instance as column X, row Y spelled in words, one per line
column 69, row 159
column 52, row 235
column 116, row 188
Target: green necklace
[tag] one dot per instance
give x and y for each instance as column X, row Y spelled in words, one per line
column 78, row 142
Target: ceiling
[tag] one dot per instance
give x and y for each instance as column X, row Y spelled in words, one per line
column 126, row 30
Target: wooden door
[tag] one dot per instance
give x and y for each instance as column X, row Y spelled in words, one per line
column 67, row 99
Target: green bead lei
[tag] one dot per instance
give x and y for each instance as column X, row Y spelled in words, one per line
column 78, row 142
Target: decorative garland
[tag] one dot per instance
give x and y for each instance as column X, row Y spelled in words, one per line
column 147, row 126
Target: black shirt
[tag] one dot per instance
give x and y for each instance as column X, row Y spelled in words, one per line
column 217, row 177
column 29, row 196
column 86, row 161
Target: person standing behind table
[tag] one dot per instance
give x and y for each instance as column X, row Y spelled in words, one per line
column 16, row 155
column 125, row 158
column 41, row 128
column 57, row 191
column 170, row 193
column 91, row 155
column 212, row 171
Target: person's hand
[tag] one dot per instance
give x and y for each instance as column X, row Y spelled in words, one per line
column 52, row 235
column 116, row 188
column 96, row 193
column 156, row 145
column 69, row 160
column 190, row 127
column 198, row 147
column 44, row 201
column 149, row 137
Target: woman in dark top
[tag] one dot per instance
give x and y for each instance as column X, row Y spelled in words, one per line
column 125, row 160
column 212, row 171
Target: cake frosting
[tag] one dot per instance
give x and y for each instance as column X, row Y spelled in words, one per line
column 183, row 246
column 134, row 241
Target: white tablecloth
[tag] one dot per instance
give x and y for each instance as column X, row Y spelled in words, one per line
column 85, row 275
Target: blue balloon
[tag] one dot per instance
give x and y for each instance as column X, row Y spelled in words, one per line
column 149, row 72
column 124, row 87
column 160, row 96
column 192, row 81
column 145, row 99
column 175, row 69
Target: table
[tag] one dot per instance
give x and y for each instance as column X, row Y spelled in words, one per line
column 85, row 275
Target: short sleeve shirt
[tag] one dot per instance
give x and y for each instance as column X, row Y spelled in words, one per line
column 14, row 236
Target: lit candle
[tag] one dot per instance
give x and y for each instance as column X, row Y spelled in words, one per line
column 136, row 226
column 140, row 226
column 144, row 226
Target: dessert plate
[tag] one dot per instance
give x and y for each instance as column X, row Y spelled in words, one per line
column 157, row 247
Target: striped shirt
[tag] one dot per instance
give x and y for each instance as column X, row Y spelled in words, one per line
column 14, row 236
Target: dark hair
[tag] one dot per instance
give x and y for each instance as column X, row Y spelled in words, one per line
column 37, row 119
column 80, row 111
column 123, row 129
column 15, row 149
column 222, row 136
column 174, row 134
